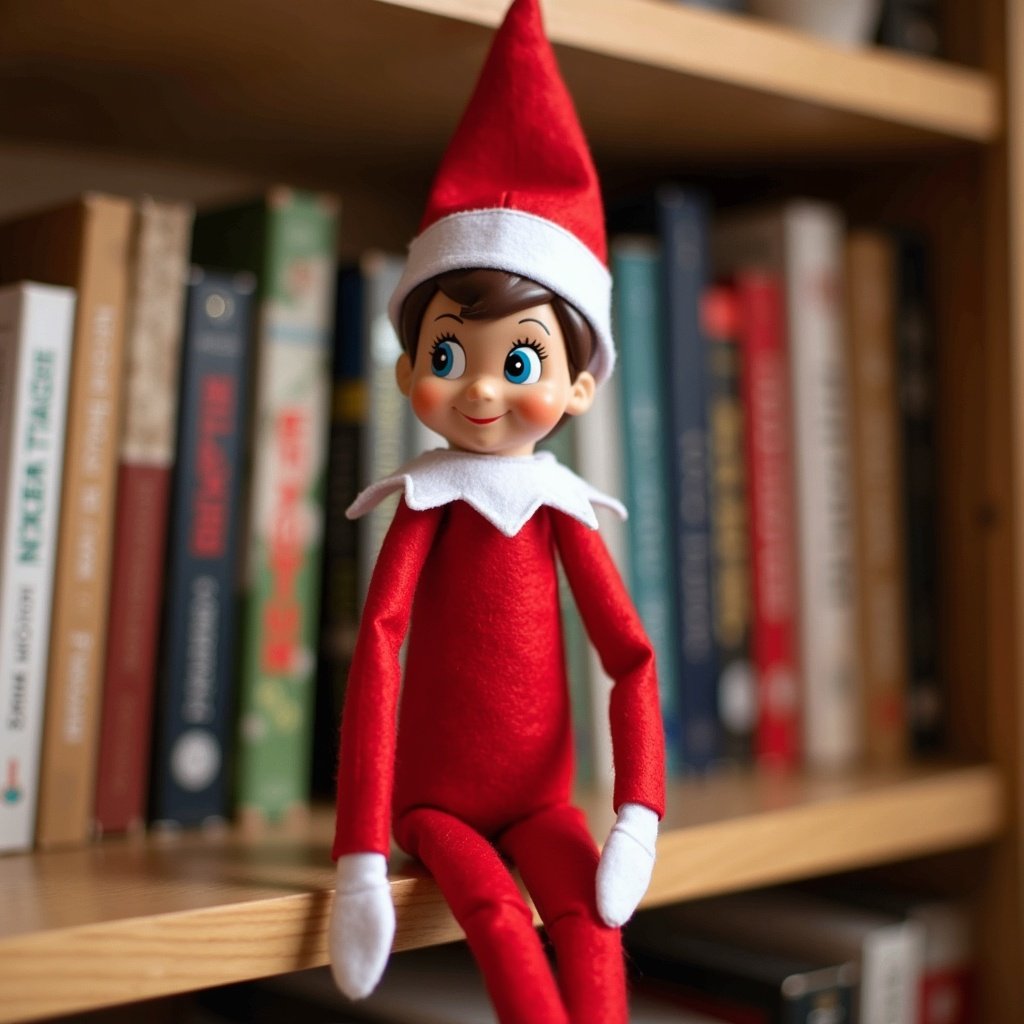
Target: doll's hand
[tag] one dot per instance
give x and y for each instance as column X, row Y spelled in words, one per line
column 362, row 923
column 626, row 863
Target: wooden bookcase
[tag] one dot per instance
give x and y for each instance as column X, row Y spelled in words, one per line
column 209, row 99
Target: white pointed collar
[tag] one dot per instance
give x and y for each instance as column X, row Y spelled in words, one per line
column 505, row 490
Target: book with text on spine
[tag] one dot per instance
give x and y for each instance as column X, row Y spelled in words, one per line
column 36, row 325
column 287, row 239
column 194, row 720
column 83, row 245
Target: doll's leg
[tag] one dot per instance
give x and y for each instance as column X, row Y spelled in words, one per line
column 557, row 859
column 492, row 912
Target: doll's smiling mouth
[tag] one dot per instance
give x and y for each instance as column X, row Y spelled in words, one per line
column 481, row 422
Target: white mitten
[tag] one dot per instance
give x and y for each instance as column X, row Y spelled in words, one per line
column 362, row 923
column 626, row 863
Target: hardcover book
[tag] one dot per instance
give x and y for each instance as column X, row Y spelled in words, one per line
column 737, row 699
column 769, row 462
column 36, row 324
column 153, row 347
column 878, row 494
column 683, row 222
column 195, row 724
column 736, row 982
column 801, row 243
column 288, row 240
column 85, row 246
column 639, row 326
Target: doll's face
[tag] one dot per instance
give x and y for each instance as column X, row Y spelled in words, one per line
column 494, row 387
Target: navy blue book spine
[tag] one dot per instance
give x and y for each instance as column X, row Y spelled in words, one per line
column 683, row 228
column 195, row 721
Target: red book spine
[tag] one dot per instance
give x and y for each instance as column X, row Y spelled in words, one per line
column 137, row 576
column 769, row 452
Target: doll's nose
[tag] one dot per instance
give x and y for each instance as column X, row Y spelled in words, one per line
column 482, row 388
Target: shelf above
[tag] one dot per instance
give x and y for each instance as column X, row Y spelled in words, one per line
column 373, row 88
column 129, row 919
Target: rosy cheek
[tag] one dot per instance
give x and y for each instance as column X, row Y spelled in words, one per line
column 539, row 405
column 428, row 394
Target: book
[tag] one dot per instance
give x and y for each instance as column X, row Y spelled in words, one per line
column 886, row 948
column 287, row 239
column 911, row 25
column 339, row 606
column 387, row 412
column 735, row 982
column 737, row 697
column 801, row 242
column 194, row 721
column 878, row 494
column 639, row 328
column 770, row 495
column 683, row 228
column 36, row 324
column 916, row 374
column 599, row 457
column 82, row 245
column 152, row 352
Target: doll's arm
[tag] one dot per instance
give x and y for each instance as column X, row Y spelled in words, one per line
column 369, row 723
column 614, row 627
column 362, row 924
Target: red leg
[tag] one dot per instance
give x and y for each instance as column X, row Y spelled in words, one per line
column 557, row 859
column 492, row 912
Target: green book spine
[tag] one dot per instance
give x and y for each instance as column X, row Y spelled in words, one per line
column 291, row 245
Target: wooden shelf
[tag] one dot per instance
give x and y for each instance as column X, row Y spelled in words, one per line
column 370, row 90
column 130, row 919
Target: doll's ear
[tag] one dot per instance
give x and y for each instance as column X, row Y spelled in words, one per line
column 581, row 397
column 403, row 373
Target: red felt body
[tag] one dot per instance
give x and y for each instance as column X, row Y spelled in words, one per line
column 484, row 724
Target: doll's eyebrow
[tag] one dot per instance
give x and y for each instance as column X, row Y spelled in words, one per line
column 450, row 316
column 531, row 320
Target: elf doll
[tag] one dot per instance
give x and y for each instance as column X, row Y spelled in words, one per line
column 504, row 316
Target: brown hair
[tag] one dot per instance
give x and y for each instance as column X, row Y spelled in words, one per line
column 489, row 295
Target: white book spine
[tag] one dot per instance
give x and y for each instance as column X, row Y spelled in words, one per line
column 36, row 323
column 814, row 282
column 599, row 459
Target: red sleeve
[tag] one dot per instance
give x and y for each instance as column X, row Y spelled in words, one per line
column 615, row 629
column 366, row 765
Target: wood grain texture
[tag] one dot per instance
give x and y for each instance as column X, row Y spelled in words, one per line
column 129, row 919
column 374, row 87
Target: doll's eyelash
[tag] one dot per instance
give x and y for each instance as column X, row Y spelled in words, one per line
column 531, row 343
column 440, row 339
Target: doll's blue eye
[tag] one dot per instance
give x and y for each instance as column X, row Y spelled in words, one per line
column 448, row 359
column 522, row 365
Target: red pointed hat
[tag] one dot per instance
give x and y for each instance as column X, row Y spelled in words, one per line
column 517, row 189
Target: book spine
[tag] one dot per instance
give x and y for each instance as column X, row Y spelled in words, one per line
column 814, row 283
column 737, row 701
column 82, row 573
column 153, row 350
column 915, row 346
column 339, row 607
column 636, row 309
column 387, row 411
column 599, row 455
column 194, row 721
column 683, row 224
column 877, row 492
column 36, row 325
column 283, row 559
column 769, row 460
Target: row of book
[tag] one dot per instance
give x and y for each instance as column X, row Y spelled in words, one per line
column 770, row 429
column 831, row 953
column 134, row 387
